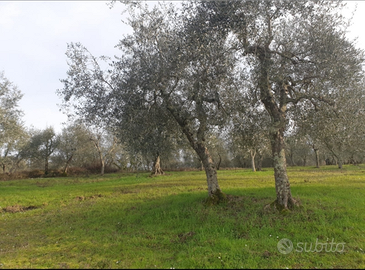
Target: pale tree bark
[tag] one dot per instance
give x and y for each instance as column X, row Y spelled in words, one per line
column 96, row 141
column 65, row 169
column 284, row 198
column 210, row 169
column 277, row 111
column 253, row 154
column 215, row 195
column 337, row 155
column 157, row 170
column 102, row 166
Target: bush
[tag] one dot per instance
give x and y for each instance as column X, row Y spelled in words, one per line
column 54, row 173
column 35, row 174
column 77, row 171
column 95, row 168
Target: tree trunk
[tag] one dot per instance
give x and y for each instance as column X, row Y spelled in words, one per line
column 157, row 170
column 214, row 192
column 219, row 162
column 317, row 157
column 291, row 155
column 102, row 166
column 215, row 195
column 284, row 199
column 46, row 166
column 259, row 161
column 67, row 164
column 253, row 154
column 339, row 162
column 277, row 111
column 304, row 161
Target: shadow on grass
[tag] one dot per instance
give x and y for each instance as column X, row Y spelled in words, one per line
column 177, row 231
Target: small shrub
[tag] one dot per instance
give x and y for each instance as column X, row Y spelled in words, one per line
column 77, row 171
column 54, row 173
column 35, row 174
column 95, row 168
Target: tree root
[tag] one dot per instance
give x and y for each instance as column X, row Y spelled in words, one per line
column 216, row 198
column 276, row 207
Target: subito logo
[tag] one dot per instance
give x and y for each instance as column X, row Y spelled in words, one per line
column 285, row 246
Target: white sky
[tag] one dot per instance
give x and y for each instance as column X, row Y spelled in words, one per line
column 33, row 42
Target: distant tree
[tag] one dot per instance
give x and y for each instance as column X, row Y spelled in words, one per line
column 218, row 146
column 74, row 147
column 298, row 149
column 11, row 127
column 145, row 129
column 104, row 142
column 339, row 129
column 249, row 132
column 42, row 144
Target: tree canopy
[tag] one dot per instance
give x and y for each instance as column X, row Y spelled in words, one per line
column 193, row 66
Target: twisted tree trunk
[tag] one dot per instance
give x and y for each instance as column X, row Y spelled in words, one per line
column 65, row 170
column 253, row 154
column 284, row 198
column 215, row 195
column 276, row 107
column 157, row 170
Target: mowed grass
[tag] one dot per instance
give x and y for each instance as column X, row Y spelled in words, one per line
column 136, row 221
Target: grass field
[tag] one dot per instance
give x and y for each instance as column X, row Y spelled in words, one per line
column 135, row 221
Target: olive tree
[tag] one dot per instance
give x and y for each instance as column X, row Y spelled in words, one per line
column 297, row 54
column 174, row 63
column 11, row 127
column 41, row 146
column 339, row 129
column 182, row 65
column 75, row 147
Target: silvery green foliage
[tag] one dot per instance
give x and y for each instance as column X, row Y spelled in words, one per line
column 11, row 128
column 295, row 55
column 339, row 130
column 41, row 146
column 194, row 64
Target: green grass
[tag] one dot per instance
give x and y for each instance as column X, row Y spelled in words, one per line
column 124, row 221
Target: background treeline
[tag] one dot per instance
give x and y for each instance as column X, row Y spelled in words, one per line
column 79, row 149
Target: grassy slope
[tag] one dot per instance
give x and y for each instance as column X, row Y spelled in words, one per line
column 124, row 221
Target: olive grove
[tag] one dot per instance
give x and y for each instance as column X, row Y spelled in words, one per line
column 201, row 66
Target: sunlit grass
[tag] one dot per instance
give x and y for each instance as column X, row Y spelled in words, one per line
column 124, row 221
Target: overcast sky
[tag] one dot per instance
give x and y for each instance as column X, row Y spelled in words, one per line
column 33, row 42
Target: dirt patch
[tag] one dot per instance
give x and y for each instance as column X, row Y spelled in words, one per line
column 18, row 208
column 199, row 188
column 183, row 237
column 234, row 199
column 43, row 184
column 126, row 190
column 83, row 198
column 266, row 254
